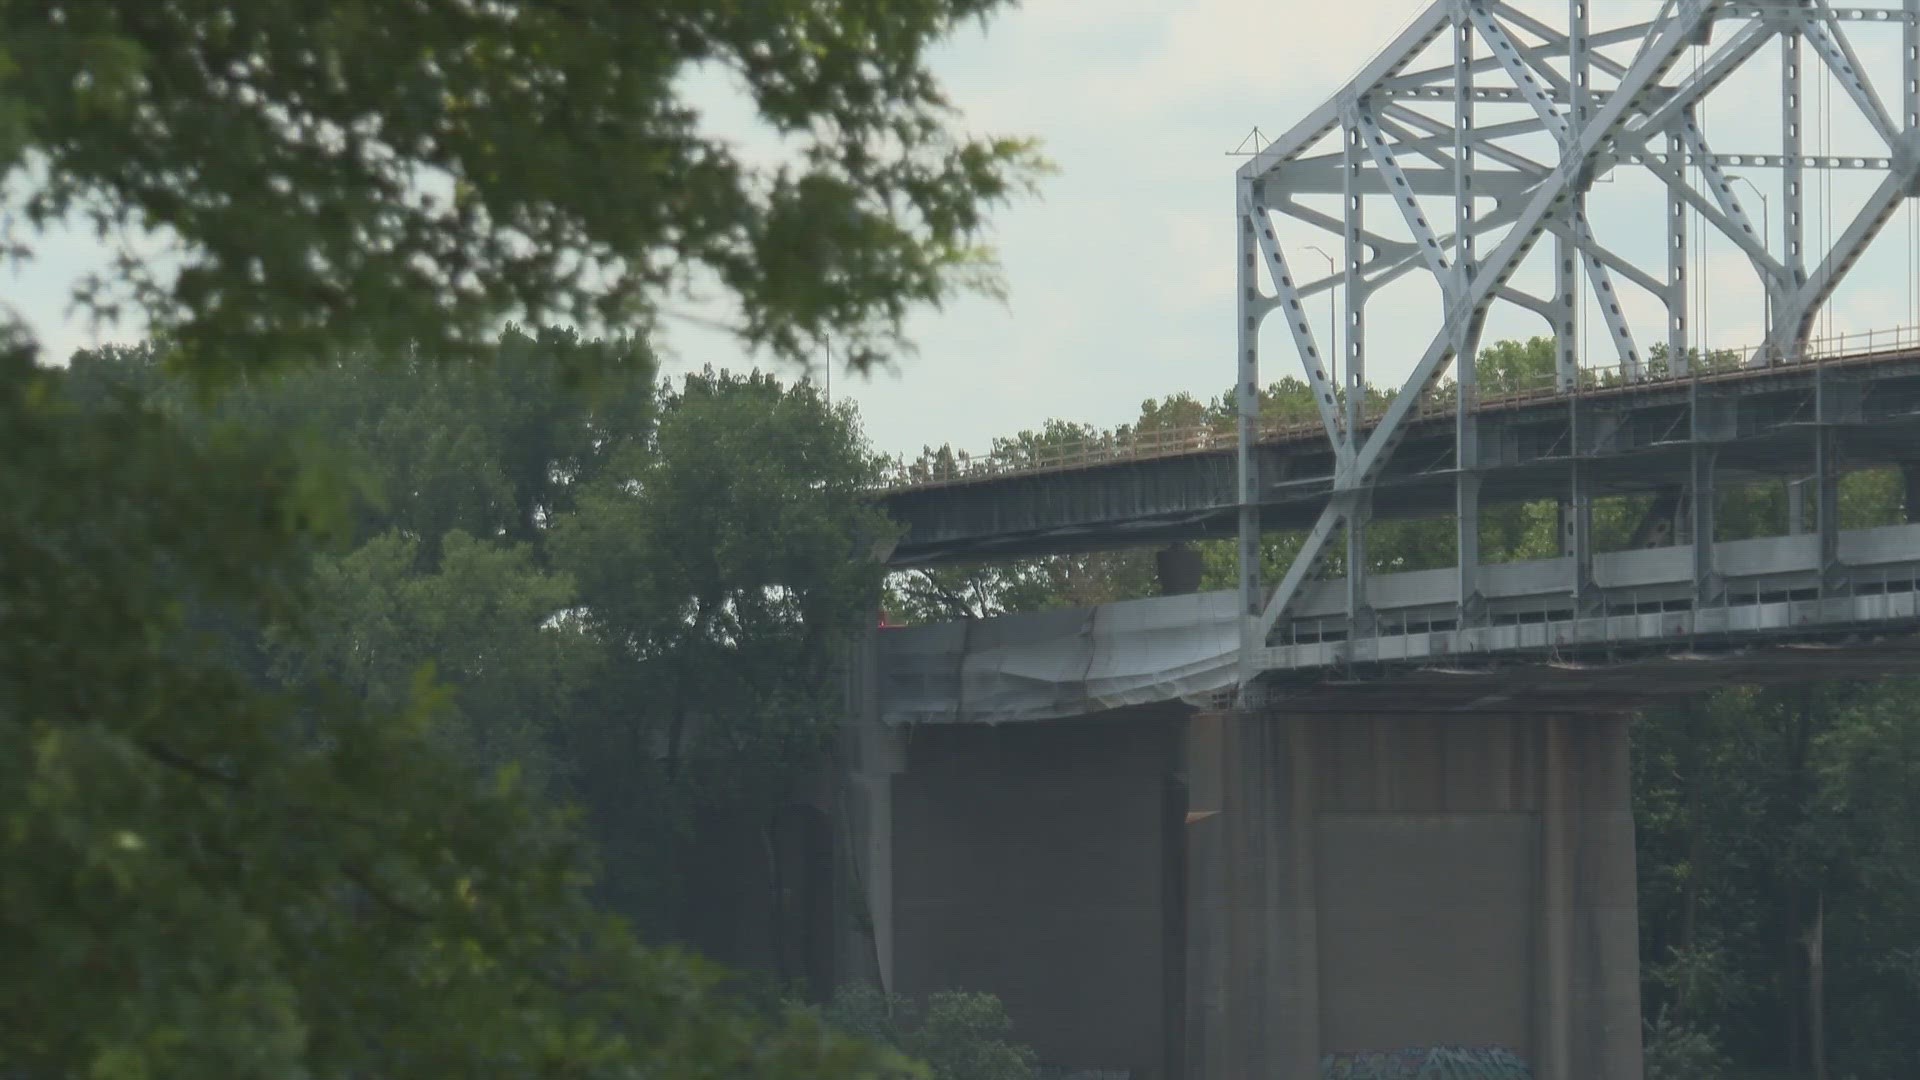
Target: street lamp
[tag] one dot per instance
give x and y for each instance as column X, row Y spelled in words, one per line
column 1333, row 315
column 1766, row 241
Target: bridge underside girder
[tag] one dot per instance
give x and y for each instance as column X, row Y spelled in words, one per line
column 1637, row 440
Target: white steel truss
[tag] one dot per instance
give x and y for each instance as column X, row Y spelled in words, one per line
column 1509, row 119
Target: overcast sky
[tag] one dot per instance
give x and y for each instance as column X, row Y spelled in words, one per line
column 1121, row 272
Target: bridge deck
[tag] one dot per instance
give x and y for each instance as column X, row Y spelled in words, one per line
column 1632, row 438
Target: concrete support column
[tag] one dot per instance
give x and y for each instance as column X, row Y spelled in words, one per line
column 875, row 755
column 1208, row 930
column 1380, row 883
column 1253, row 985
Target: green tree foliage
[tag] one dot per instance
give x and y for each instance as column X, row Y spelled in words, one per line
column 663, row 645
column 208, row 877
column 496, row 445
column 720, row 568
column 1780, row 901
column 1678, row 1051
column 215, row 864
column 988, row 590
column 481, row 619
column 1439, row 1063
column 1512, row 367
column 410, row 176
column 959, row 1035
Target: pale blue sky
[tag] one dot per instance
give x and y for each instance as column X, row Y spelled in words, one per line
column 1120, row 274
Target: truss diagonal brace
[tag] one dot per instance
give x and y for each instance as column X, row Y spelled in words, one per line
column 1837, row 53
column 1394, row 263
column 1772, row 274
column 1402, row 192
column 1723, row 63
column 1619, row 35
column 1584, row 242
column 1338, row 512
column 1717, row 183
column 1426, row 26
column 1609, row 297
column 1654, row 61
column 1383, row 247
column 1741, row 234
column 1523, row 76
column 1795, row 322
column 1439, row 131
column 1557, row 40
column 1288, row 303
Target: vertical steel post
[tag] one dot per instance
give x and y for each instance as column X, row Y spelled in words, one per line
column 1465, row 140
column 1792, row 183
column 1359, row 611
column 1566, row 285
column 1910, row 66
column 1467, row 445
column 1579, row 65
column 1565, row 254
column 1247, row 392
column 1356, row 250
column 1566, row 326
column 1576, row 513
column 1826, row 480
column 1576, row 527
column 1678, row 359
column 1706, row 575
column 1910, row 74
column 1360, row 621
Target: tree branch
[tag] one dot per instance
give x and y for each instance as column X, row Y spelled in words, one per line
column 172, row 758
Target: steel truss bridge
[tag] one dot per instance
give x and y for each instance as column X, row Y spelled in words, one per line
column 1465, row 158
column 1428, row 764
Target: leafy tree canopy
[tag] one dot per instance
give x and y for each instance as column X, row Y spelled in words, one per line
column 719, row 569
column 209, row 871
column 409, row 175
column 959, row 1035
column 205, row 877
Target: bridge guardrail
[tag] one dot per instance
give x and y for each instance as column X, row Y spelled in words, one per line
column 945, row 466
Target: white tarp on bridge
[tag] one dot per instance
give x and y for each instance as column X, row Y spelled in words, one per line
column 1060, row 663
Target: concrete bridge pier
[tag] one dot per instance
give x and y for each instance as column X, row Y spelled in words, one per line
column 1366, row 883
column 1043, row 864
